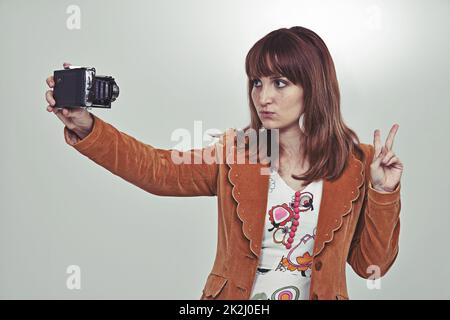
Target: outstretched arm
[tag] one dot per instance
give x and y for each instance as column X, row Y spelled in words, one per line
column 145, row 166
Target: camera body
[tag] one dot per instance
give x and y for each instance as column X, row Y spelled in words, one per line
column 81, row 87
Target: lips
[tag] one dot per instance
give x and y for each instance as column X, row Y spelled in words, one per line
column 267, row 115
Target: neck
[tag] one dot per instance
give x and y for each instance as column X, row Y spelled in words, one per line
column 291, row 149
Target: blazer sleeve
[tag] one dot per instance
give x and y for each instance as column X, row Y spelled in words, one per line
column 376, row 238
column 154, row 170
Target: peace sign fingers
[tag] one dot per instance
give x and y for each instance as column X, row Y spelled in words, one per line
column 391, row 136
column 389, row 140
column 377, row 143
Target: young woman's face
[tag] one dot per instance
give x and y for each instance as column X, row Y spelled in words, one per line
column 280, row 96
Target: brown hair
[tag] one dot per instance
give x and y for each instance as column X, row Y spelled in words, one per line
column 301, row 55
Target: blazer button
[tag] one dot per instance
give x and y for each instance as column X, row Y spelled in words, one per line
column 315, row 297
column 318, row 265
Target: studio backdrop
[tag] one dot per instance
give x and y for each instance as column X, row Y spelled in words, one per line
column 180, row 66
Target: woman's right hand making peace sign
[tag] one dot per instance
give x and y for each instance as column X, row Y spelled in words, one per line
column 78, row 120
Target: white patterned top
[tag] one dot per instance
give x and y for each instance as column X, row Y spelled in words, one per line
column 284, row 274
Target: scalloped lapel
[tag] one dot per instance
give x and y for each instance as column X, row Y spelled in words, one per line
column 250, row 191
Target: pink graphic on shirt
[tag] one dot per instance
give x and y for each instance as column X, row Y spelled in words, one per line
column 279, row 215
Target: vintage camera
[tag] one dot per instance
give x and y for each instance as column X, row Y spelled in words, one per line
column 81, row 87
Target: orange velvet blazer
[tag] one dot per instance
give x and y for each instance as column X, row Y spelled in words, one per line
column 356, row 225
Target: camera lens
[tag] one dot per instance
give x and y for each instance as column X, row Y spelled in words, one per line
column 115, row 91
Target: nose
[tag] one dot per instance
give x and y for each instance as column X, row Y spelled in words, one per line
column 265, row 96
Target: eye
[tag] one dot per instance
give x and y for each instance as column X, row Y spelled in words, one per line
column 284, row 84
column 280, row 83
column 254, row 82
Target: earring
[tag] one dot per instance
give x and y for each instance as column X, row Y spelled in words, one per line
column 301, row 122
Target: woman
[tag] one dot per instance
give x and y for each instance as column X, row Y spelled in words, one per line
column 287, row 234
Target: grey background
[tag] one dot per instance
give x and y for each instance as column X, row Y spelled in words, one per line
column 181, row 61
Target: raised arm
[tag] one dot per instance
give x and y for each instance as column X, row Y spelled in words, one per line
column 145, row 166
column 149, row 168
column 376, row 238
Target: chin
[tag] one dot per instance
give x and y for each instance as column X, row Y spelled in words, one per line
column 270, row 124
